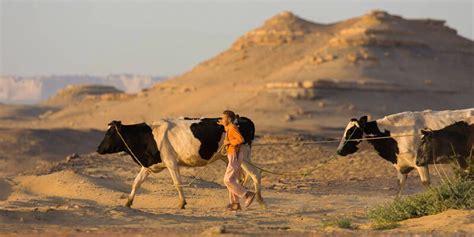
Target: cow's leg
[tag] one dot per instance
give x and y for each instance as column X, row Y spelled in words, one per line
column 136, row 184
column 254, row 173
column 402, row 178
column 424, row 175
column 170, row 159
column 256, row 176
column 176, row 177
column 245, row 178
column 462, row 161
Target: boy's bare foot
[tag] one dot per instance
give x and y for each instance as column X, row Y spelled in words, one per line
column 234, row 207
column 249, row 196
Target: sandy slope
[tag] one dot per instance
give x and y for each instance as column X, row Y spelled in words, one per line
column 453, row 221
column 22, row 149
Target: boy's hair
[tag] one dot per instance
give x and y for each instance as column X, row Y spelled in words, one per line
column 230, row 114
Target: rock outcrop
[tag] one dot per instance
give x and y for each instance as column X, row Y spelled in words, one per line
column 283, row 28
column 77, row 93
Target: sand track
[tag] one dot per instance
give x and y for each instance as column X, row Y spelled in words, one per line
column 86, row 194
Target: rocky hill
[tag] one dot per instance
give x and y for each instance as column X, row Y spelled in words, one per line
column 293, row 74
column 77, row 93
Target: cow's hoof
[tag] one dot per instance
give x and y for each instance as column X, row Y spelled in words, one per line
column 129, row 203
column 182, row 205
column 261, row 202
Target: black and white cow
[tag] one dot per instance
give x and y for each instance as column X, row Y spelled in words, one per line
column 170, row 143
column 404, row 131
column 455, row 141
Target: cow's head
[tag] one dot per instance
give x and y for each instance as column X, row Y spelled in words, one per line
column 354, row 130
column 426, row 148
column 112, row 143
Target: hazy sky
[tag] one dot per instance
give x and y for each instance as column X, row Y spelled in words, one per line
column 165, row 37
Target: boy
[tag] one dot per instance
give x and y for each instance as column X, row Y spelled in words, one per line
column 232, row 141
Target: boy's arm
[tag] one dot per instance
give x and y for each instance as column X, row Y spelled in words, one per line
column 235, row 138
column 226, row 138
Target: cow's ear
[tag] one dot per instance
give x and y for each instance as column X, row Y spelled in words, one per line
column 116, row 123
column 362, row 121
column 425, row 132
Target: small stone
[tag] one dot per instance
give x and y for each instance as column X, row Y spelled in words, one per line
column 71, row 157
column 329, row 57
column 217, row 230
column 303, row 186
column 123, row 196
column 288, row 118
column 352, row 57
column 318, row 60
column 300, row 111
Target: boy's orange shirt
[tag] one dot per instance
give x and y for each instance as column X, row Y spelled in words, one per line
column 235, row 139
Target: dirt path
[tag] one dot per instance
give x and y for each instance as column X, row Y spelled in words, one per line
column 85, row 195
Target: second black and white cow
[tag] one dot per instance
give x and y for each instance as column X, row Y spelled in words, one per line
column 170, row 143
column 401, row 137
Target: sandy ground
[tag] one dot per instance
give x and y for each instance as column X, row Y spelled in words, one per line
column 85, row 195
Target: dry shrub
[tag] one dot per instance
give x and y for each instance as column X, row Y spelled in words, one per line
column 455, row 192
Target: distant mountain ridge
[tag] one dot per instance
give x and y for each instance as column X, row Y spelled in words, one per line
column 30, row 90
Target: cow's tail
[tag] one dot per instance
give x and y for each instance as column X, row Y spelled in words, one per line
column 252, row 133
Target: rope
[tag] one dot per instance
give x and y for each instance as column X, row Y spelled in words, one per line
column 130, row 150
column 331, row 141
column 316, row 142
column 284, row 174
column 213, row 157
column 221, row 152
column 218, row 152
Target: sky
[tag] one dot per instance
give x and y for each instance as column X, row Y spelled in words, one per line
column 166, row 38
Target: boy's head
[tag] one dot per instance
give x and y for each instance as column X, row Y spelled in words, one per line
column 227, row 117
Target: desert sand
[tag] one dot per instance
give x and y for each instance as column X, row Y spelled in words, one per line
column 86, row 195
